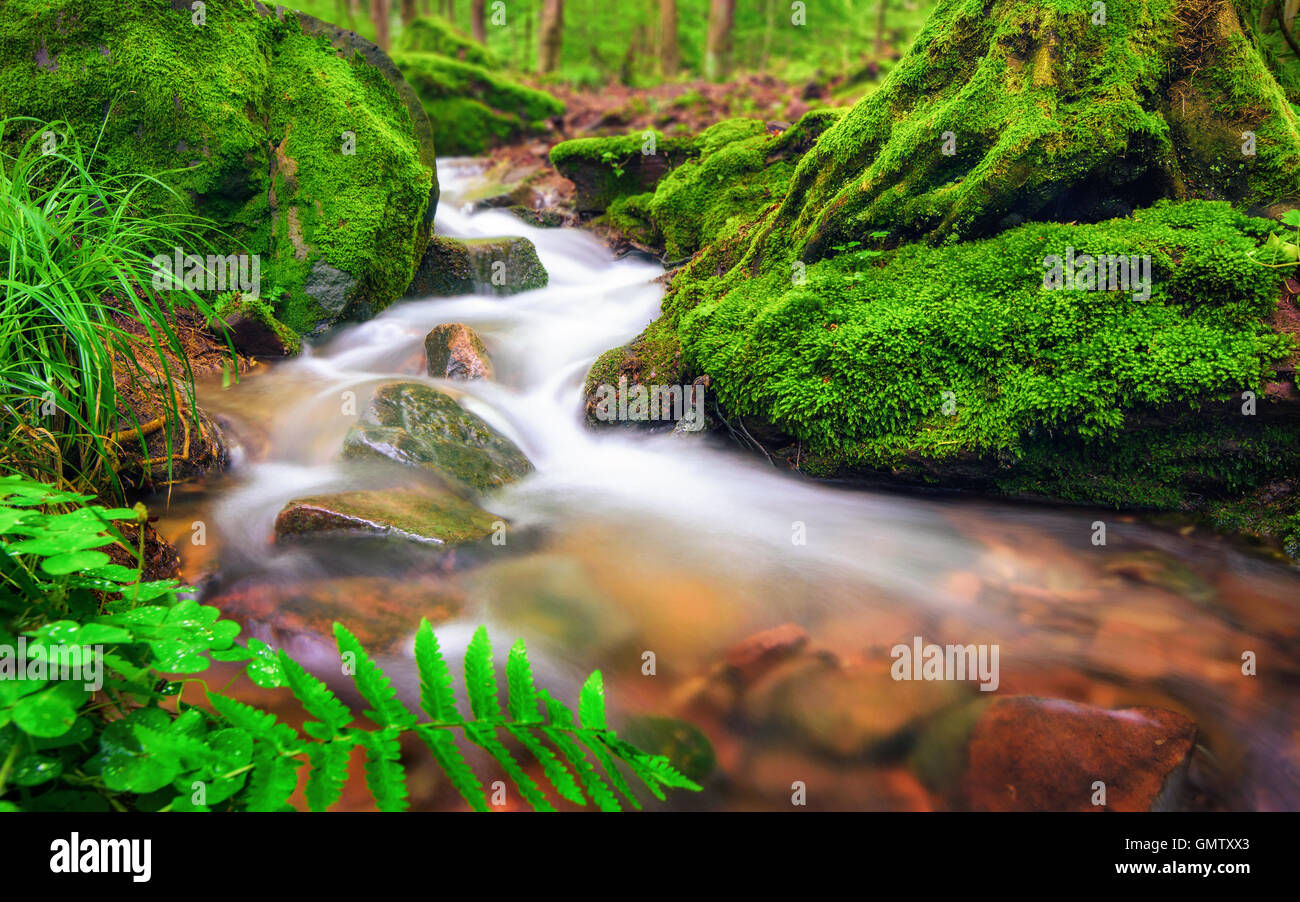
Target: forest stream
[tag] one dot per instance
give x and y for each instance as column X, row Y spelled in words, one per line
column 656, row 557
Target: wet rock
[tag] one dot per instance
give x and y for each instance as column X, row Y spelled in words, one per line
column 500, row 266
column 1037, row 754
column 418, row 513
column 414, row 424
column 749, row 659
column 382, row 612
column 846, row 711
column 454, row 351
column 552, row 599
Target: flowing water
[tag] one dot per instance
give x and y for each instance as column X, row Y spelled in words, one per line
column 649, row 556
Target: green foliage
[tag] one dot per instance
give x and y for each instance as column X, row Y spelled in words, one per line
column 75, row 253
column 69, row 744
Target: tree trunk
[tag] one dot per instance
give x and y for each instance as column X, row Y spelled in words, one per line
column 717, row 50
column 551, row 35
column 669, row 54
column 478, row 20
column 409, row 12
column 379, row 10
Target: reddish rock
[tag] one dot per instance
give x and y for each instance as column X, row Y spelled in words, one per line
column 455, row 351
column 753, row 657
column 1036, row 754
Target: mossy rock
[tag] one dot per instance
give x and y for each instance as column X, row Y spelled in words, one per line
column 417, row 425
column 415, row 513
column 501, row 266
column 604, row 169
column 251, row 107
column 252, row 328
column 430, row 34
column 704, row 189
column 475, row 109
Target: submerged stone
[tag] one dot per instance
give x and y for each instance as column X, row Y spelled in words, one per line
column 418, row 513
column 415, row 424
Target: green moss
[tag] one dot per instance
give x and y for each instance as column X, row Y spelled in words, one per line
column 429, row 34
column 855, row 362
column 472, row 108
column 722, row 180
column 248, row 114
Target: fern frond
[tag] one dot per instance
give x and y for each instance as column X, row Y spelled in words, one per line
column 384, row 772
column 385, row 707
column 591, row 702
column 521, row 694
column 561, row 721
column 436, row 695
column 596, row 787
column 592, row 740
column 556, row 773
column 484, row 735
column 447, row 754
column 274, row 779
column 481, row 678
column 329, row 771
column 652, row 769
column 316, row 698
column 261, row 725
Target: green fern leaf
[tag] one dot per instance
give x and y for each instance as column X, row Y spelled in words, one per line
column 384, row 772
column 317, row 698
column 172, row 746
column 650, row 768
column 274, row 779
column 436, row 695
column 591, row 702
column 385, row 707
column 481, row 678
column 562, row 720
column 329, row 771
column 558, row 775
column 261, row 725
column 521, row 694
column 447, row 754
column 592, row 740
column 485, row 737
column 599, row 791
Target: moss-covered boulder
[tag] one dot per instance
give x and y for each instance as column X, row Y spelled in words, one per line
column 475, row 108
column 299, row 139
column 500, row 266
column 430, row 34
column 604, row 169
column 416, row 425
column 416, row 513
column 899, row 312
